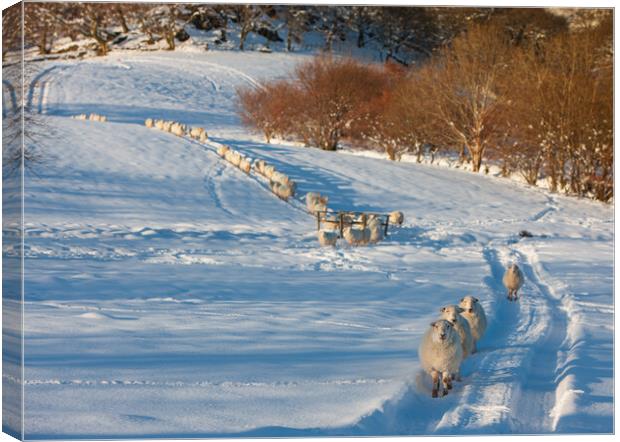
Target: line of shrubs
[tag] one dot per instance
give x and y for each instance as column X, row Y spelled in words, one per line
column 541, row 107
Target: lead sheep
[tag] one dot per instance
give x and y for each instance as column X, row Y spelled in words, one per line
column 441, row 354
column 195, row 132
column 149, row 123
column 397, row 218
column 473, row 312
column 452, row 314
column 327, row 237
column 513, row 280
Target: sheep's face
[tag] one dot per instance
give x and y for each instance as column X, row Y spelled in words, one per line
column 468, row 304
column 451, row 313
column 514, row 268
column 442, row 330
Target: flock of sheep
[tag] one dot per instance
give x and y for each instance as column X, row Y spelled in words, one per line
column 450, row 339
column 371, row 229
column 178, row 129
column 91, row 117
column 456, row 333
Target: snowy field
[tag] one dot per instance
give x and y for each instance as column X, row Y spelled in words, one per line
column 169, row 294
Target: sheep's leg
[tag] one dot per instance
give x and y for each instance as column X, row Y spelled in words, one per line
column 435, row 376
column 447, row 383
column 516, row 294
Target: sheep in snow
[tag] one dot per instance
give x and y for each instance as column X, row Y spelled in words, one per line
column 159, row 124
column 316, row 203
column 283, row 191
column 397, row 218
column 203, row 137
column 327, row 237
column 259, row 166
column 375, row 230
column 149, row 123
column 269, row 171
column 246, row 165
column 441, row 354
column 195, row 132
column 221, row 151
column 452, row 314
column 177, row 129
column 513, row 280
column 473, row 312
column 80, row 117
column 355, row 237
column 167, row 126
column 280, row 177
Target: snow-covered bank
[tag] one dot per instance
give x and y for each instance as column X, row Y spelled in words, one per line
column 169, row 294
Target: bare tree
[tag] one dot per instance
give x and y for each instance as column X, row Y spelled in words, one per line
column 464, row 82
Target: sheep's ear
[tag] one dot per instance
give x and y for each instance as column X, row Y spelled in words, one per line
column 433, row 324
column 475, row 299
column 461, row 310
column 462, row 299
column 442, row 309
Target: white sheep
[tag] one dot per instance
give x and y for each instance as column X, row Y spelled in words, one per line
column 280, row 177
column 203, row 137
column 355, row 237
column 245, row 165
column 513, row 280
column 269, row 171
column 103, row 118
column 473, row 312
column 159, row 124
column 221, row 151
column 149, row 123
column 327, row 237
column 375, row 230
column 316, row 203
column 441, row 354
column 177, row 129
column 452, row 314
column 259, row 166
column 81, row 117
column 195, row 132
column 397, row 218
column 283, row 191
column 167, row 126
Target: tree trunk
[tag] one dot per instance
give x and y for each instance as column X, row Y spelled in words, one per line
column 289, row 40
column 121, row 19
column 476, row 157
column 170, row 41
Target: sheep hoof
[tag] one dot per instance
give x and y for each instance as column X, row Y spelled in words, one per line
column 449, row 388
column 434, row 393
column 445, row 392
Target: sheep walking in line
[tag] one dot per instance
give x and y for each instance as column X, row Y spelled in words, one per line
column 513, row 280
column 397, row 218
column 149, row 123
column 316, row 203
column 246, row 165
column 473, row 312
column 167, row 126
column 221, row 151
column 196, row 132
column 80, row 117
column 159, row 124
column 452, row 314
column 203, row 137
column 177, row 129
column 441, row 354
column 283, row 191
column 96, row 117
column 327, row 237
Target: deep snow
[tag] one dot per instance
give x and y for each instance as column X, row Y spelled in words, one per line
column 169, row 294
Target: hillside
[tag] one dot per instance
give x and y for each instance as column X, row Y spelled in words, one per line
column 170, row 295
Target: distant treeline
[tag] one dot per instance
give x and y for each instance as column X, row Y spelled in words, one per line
column 400, row 33
column 539, row 104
